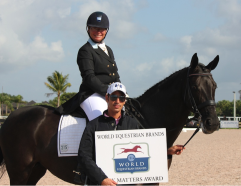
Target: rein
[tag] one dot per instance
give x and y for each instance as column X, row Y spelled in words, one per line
column 134, row 112
column 195, row 108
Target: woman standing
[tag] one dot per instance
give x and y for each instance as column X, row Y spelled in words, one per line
column 97, row 67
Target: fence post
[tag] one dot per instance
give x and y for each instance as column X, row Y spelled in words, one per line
column 234, row 106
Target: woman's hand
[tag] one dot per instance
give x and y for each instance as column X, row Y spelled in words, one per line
column 108, row 181
column 177, row 149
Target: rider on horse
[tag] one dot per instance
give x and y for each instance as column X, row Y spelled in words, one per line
column 98, row 70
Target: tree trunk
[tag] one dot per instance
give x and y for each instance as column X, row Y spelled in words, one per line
column 6, row 112
column 58, row 99
column 0, row 109
column 17, row 105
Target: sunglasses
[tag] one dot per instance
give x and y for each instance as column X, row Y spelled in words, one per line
column 114, row 98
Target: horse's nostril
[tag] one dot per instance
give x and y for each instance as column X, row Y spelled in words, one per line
column 208, row 122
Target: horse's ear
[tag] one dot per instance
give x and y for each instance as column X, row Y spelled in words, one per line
column 212, row 65
column 194, row 61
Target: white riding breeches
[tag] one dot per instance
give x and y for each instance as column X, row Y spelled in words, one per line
column 94, row 106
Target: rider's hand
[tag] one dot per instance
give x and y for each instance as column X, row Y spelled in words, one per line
column 177, row 149
column 108, row 181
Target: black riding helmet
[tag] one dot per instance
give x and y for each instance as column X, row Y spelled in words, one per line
column 98, row 19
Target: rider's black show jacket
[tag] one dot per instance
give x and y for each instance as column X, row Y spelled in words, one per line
column 87, row 144
column 98, row 70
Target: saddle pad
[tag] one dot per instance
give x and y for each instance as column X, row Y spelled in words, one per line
column 69, row 134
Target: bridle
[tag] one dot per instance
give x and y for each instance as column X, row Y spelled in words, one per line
column 188, row 91
column 195, row 107
column 141, row 120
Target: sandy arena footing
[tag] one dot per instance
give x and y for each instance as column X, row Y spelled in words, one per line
column 213, row 159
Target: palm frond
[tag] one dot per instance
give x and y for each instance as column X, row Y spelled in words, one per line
column 65, row 87
column 51, row 87
column 52, row 81
column 49, row 94
column 65, row 78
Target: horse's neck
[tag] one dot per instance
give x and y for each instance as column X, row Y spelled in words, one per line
column 165, row 106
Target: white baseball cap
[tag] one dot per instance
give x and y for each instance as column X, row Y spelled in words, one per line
column 116, row 87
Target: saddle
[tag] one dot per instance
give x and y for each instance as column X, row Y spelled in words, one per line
column 132, row 108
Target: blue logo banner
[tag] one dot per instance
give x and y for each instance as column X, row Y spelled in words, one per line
column 131, row 164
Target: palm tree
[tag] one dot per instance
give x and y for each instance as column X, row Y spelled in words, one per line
column 58, row 84
column 6, row 100
column 240, row 94
column 17, row 99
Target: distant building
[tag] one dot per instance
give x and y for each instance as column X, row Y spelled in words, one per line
column 30, row 103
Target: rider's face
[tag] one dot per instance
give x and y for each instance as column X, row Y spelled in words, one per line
column 97, row 34
column 117, row 105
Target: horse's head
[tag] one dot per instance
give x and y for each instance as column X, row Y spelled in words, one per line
column 137, row 146
column 202, row 87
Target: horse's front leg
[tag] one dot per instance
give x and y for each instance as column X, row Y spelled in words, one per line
column 169, row 161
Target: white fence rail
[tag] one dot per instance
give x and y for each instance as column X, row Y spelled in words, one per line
column 229, row 118
column 3, row 117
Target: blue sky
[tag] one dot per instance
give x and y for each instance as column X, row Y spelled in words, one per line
column 150, row 39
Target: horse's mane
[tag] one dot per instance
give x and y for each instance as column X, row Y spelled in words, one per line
column 47, row 106
column 161, row 85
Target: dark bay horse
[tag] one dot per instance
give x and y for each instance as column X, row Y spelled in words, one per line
column 28, row 138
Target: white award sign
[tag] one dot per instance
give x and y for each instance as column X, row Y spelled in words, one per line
column 133, row 156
